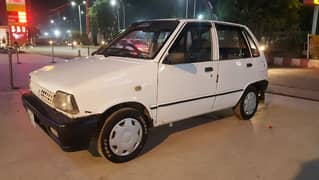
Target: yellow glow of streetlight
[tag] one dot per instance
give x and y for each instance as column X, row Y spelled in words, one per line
column 50, row 42
column 262, row 47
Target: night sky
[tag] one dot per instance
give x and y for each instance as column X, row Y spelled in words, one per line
column 41, row 14
column 3, row 15
column 41, row 8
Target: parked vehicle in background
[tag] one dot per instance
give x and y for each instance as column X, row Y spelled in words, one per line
column 4, row 36
column 155, row 73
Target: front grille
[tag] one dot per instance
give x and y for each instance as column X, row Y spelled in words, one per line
column 47, row 96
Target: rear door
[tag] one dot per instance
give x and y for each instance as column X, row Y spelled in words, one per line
column 236, row 65
column 187, row 77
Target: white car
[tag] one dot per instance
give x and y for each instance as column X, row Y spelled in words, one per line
column 187, row 68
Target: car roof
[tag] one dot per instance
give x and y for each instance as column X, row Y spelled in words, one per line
column 198, row 20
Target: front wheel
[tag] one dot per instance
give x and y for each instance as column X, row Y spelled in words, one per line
column 248, row 104
column 123, row 135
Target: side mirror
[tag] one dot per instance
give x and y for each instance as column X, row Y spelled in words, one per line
column 174, row 58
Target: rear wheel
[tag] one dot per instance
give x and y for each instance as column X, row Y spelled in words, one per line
column 248, row 104
column 123, row 135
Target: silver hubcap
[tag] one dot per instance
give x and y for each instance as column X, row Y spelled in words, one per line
column 125, row 136
column 250, row 103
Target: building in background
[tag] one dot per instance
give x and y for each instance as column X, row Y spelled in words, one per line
column 17, row 22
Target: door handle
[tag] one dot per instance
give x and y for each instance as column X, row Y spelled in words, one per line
column 209, row 69
column 249, row 65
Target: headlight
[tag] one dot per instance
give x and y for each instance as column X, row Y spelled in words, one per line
column 65, row 102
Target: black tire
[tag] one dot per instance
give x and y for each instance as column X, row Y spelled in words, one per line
column 240, row 109
column 114, row 119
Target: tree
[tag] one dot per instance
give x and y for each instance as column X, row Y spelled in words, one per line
column 103, row 17
column 264, row 17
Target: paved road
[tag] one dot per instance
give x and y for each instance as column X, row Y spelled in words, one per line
column 295, row 82
column 216, row 146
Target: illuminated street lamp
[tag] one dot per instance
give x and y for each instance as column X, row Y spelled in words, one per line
column 114, row 3
column 63, row 18
column 57, row 33
column 52, row 21
column 73, row 3
column 200, row 16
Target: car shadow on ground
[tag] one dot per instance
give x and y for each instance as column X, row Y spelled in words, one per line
column 309, row 171
column 158, row 135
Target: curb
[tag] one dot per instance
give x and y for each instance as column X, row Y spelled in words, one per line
column 294, row 62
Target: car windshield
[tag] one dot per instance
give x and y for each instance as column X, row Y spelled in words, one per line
column 141, row 40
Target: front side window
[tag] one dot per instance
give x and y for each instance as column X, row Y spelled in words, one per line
column 141, row 40
column 192, row 45
column 232, row 43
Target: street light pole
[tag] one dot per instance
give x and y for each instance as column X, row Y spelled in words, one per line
column 194, row 15
column 123, row 8
column 186, row 15
column 118, row 18
column 73, row 3
column 116, row 5
column 87, row 20
column 80, row 19
column 314, row 20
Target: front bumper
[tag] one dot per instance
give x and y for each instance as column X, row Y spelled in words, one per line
column 73, row 134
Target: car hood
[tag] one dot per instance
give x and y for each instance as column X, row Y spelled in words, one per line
column 73, row 73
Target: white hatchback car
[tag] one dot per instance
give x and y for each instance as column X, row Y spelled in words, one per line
column 156, row 72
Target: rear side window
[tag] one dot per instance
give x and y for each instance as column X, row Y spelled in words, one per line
column 193, row 45
column 232, row 43
column 253, row 47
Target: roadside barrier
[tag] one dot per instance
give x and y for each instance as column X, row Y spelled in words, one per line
column 52, row 51
column 17, row 52
column 11, row 70
column 293, row 62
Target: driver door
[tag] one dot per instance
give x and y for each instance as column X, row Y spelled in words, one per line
column 187, row 77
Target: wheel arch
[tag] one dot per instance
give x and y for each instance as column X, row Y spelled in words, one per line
column 132, row 104
column 261, row 86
